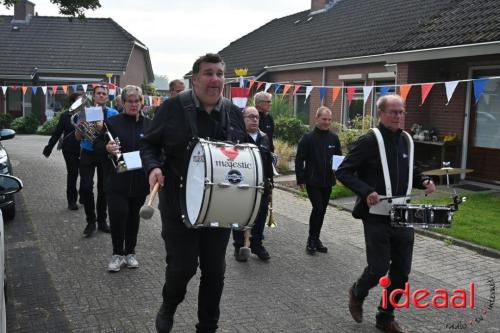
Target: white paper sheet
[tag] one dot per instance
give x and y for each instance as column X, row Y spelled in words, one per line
column 133, row 160
column 336, row 161
column 94, row 114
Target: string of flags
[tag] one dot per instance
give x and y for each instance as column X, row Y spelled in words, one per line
column 241, row 94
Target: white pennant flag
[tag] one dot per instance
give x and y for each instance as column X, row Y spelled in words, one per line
column 44, row 90
column 4, row 89
column 268, row 85
column 366, row 92
column 308, row 92
column 450, row 89
column 84, row 86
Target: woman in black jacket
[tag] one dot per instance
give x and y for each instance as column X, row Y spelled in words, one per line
column 313, row 168
column 125, row 191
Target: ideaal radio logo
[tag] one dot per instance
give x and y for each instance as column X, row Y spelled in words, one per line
column 459, row 298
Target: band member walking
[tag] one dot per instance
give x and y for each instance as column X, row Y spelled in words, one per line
column 92, row 157
column 313, row 169
column 71, row 152
column 259, row 138
column 388, row 249
column 125, row 191
column 263, row 101
column 204, row 113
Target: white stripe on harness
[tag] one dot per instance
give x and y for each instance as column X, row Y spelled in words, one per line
column 384, row 207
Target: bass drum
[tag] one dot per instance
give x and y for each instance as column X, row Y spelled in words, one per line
column 222, row 186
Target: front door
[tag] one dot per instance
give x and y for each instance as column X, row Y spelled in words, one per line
column 484, row 131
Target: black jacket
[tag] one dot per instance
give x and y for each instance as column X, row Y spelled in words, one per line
column 129, row 131
column 64, row 127
column 361, row 170
column 313, row 162
column 266, row 125
column 263, row 143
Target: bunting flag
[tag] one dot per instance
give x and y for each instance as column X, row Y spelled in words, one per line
column 286, row 87
column 94, row 85
column 156, row 100
column 85, row 86
column 450, row 89
column 479, row 86
column 259, row 84
column 277, row 88
column 34, row 89
column 74, row 87
column 350, row 94
column 404, row 90
column 268, row 85
column 13, row 87
column 65, row 89
column 44, row 90
column 239, row 96
column 4, row 89
column 112, row 91
column 297, row 87
column 250, row 83
column 426, row 89
column 366, row 93
column 335, row 94
column 384, row 90
column 308, row 92
column 54, row 89
column 24, row 89
column 322, row 92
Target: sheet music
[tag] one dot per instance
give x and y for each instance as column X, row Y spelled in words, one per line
column 132, row 160
column 94, row 114
column 336, row 161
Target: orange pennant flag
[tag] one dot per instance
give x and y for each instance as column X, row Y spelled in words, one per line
column 404, row 90
column 24, row 89
column 286, row 87
column 426, row 89
column 250, row 84
column 350, row 94
column 65, row 89
column 297, row 87
column 54, row 89
column 336, row 92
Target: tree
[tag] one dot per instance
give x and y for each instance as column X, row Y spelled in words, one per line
column 73, row 8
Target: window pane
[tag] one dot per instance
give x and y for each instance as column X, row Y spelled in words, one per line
column 301, row 109
column 487, row 132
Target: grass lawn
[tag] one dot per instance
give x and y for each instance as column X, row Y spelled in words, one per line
column 338, row 191
column 477, row 220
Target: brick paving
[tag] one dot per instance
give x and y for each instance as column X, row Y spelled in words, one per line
column 293, row 292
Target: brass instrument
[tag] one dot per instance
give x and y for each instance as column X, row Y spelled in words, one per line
column 116, row 159
column 270, row 221
column 148, row 112
column 87, row 129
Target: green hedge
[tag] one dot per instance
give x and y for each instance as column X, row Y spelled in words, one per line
column 289, row 129
column 26, row 125
column 49, row 126
column 5, row 120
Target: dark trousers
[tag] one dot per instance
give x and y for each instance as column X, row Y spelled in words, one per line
column 89, row 162
column 258, row 227
column 186, row 248
column 124, row 221
column 319, row 197
column 72, row 160
column 388, row 249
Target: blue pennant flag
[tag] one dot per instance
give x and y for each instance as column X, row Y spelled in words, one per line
column 277, row 87
column 322, row 92
column 384, row 90
column 245, row 82
column 34, row 89
column 74, row 87
column 479, row 86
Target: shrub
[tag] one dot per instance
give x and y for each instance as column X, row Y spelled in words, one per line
column 27, row 124
column 348, row 134
column 5, row 120
column 49, row 126
column 289, row 129
column 286, row 153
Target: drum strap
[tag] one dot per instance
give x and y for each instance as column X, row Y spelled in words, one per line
column 385, row 167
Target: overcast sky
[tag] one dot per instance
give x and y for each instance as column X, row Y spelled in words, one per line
column 177, row 33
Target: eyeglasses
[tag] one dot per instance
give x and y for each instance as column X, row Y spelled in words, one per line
column 266, row 101
column 395, row 113
column 137, row 101
column 252, row 117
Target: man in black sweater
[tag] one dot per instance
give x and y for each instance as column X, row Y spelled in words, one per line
column 263, row 101
column 198, row 113
column 313, row 168
column 388, row 249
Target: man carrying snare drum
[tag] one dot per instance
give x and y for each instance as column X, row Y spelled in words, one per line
column 203, row 113
column 388, row 248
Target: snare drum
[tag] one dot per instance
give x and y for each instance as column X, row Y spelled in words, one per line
column 222, row 185
column 422, row 216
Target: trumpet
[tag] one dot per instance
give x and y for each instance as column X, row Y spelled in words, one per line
column 116, row 159
column 270, row 221
column 87, row 129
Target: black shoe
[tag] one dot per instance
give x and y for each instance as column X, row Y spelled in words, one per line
column 241, row 253
column 355, row 306
column 104, row 227
column 389, row 326
column 89, row 230
column 320, row 247
column 73, row 206
column 260, row 251
column 164, row 320
column 311, row 246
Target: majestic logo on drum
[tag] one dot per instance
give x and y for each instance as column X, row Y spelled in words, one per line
column 231, row 153
column 234, row 177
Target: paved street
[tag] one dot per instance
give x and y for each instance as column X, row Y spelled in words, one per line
column 58, row 280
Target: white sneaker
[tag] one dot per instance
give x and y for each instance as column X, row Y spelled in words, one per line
column 131, row 261
column 116, row 263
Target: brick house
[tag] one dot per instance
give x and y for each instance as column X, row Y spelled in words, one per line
column 358, row 42
column 54, row 51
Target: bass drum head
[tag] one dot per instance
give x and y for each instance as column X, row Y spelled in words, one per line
column 195, row 183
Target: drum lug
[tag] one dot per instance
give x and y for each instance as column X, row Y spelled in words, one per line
column 223, row 185
column 208, row 182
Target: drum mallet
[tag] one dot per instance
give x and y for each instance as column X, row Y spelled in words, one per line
column 147, row 211
column 245, row 249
